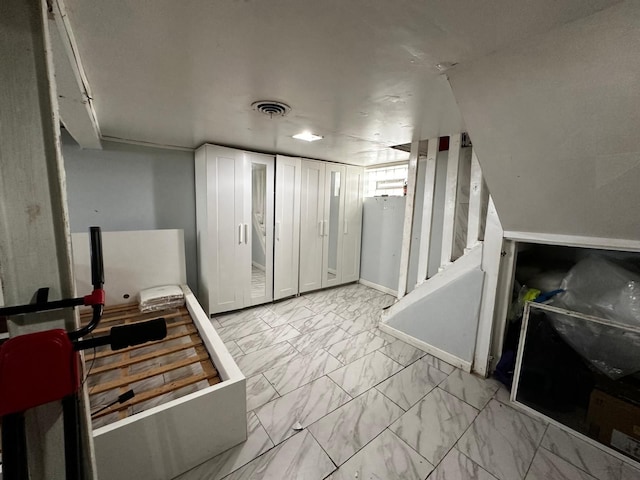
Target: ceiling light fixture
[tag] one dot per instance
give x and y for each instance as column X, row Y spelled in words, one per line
column 307, row 136
column 444, row 66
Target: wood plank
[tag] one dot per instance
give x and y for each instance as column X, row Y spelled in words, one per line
column 207, row 365
column 179, row 323
column 489, row 322
column 427, row 210
column 453, row 164
column 125, row 361
column 462, row 204
column 476, row 194
column 156, row 392
column 144, row 358
column 88, row 311
column 108, row 353
column 408, row 219
column 129, row 379
column 143, row 316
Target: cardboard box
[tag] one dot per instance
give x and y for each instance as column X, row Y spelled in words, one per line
column 615, row 422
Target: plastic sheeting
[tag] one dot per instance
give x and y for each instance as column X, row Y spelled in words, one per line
column 161, row 298
column 601, row 288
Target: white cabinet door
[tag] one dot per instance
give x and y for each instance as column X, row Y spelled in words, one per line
column 333, row 224
column 221, row 249
column 311, row 225
column 287, row 227
column 234, row 213
column 352, row 224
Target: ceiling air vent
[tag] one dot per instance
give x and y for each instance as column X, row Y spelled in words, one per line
column 271, row 108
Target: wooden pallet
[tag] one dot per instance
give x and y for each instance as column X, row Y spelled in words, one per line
column 182, row 337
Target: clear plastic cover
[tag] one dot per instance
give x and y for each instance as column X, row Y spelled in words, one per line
column 601, row 288
column 161, row 298
column 610, row 349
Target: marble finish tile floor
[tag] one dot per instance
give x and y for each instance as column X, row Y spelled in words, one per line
column 411, row 384
column 435, row 424
column 502, row 441
column 470, row 388
column 304, row 369
column 300, row 408
column 331, row 396
column 364, row 373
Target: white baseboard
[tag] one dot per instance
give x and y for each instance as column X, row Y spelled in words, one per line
column 425, row 347
column 380, row 288
column 258, row 266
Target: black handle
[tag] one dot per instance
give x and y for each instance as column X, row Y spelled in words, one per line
column 97, row 265
column 124, row 336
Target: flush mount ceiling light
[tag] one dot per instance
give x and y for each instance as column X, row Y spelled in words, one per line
column 444, row 66
column 271, row 108
column 307, row 136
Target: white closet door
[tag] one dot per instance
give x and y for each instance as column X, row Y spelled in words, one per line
column 333, row 224
column 225, row 177
column 287, row 227
column 311, row 225
column 352, row 224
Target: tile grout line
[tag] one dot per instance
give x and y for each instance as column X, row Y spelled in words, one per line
column 466, row 429
column 535, row 452
column 325, row 452
column 403, row 441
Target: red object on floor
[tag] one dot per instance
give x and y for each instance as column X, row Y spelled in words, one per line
column 35, row 369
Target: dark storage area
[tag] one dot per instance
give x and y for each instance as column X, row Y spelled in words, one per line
column 577, row 359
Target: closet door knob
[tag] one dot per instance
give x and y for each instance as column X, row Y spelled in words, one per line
column 239, row 234
column 246, row 236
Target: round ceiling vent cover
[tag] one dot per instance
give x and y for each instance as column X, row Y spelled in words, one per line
column 271, row 108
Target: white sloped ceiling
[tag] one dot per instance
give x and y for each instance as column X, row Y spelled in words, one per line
column 556, row 125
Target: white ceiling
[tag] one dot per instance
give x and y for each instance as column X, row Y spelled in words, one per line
column 361, row 73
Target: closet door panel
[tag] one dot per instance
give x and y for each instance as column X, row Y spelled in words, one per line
column 352, row 225
column 224, row 175
column 333, row 225
column 287, row 227
column 311, row 225
column 259, row 198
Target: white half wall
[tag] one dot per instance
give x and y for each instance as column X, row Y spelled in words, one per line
column 441, row 315
column 554, row 121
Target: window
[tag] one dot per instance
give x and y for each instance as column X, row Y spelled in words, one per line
column 385, row 181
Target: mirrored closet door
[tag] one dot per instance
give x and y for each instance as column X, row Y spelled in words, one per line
column 260, row 229
column 333, row 229
column 234, row 213
column 330, row 224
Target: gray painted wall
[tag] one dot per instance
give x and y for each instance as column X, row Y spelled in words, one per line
column 382, row 221
column 131, row 187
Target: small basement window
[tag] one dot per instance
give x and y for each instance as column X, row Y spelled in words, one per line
column 386, row 181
